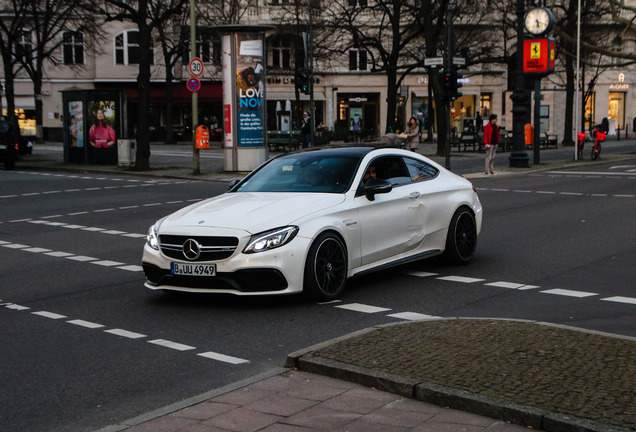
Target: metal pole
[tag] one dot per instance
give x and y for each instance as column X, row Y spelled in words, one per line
column 310, row 51
column 448, row 68
column 576, row 88
column 537, row 120
column 195, row 96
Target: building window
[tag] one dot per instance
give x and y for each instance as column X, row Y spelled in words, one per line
column 279, row 2
column 485, row 105
column 207, row 48
column 357, row 60
column 281, row 52
column 24, row 46
column 127, row 48
column 73, row 48
column 358, row 3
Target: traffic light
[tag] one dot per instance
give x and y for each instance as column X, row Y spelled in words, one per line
column 302, row 81
column 448, row 80
column 456, row 85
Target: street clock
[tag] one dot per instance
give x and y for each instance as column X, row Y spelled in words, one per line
column 538, row 21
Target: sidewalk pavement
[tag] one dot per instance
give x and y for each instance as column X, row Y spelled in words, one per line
column 447, row 375
column 442, row 375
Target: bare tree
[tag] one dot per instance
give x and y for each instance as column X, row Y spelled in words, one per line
column 12, row 14
column 44, row 22
column 141, row 12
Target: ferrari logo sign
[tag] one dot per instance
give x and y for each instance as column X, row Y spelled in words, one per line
column 535, row 50
column 538, row 56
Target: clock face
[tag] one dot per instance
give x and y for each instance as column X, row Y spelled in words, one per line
column 538, row 21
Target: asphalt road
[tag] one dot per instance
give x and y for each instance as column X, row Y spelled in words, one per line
column 86, row 345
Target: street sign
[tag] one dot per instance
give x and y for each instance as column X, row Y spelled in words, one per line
column 459, row 61
column 434, row 61
column 194, row 84
column 196, row 66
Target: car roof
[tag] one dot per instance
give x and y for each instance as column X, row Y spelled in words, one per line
column 358, row 152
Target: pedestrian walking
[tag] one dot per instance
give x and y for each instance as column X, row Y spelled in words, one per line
column 305, row 130
column 491, row 141
column 413, row 134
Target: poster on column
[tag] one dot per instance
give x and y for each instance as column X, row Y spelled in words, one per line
column 250, row 90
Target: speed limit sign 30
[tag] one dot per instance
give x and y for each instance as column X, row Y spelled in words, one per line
column 196, row 66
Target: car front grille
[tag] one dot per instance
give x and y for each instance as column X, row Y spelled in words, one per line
column 211, row 248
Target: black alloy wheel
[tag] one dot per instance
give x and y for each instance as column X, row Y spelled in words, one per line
column 461, row 241
column 326, row 268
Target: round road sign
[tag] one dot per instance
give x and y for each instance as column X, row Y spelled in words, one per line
column 194, row 84
column 196, row 66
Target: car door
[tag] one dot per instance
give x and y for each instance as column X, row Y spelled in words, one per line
column 388, row 224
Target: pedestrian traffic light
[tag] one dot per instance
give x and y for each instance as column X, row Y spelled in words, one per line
column 302, row 81
column 448, row 79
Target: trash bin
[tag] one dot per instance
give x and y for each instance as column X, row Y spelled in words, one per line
column 126, row 152
column 528, row 133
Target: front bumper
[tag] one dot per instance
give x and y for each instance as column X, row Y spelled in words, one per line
column 277, row 271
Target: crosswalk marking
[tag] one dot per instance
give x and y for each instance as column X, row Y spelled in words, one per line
column 357, row 307
column 569, row 293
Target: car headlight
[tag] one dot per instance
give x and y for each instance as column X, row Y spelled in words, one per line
column 152, row 239
column 270, row 239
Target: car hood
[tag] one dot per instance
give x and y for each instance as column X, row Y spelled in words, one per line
column 250, row 211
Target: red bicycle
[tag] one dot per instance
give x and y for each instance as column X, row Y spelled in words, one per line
column 596, row 150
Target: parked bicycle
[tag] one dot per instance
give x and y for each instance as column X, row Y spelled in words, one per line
column 598, row 136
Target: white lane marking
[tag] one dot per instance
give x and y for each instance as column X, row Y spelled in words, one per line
column 15, row 246
column 59, row 254
column 81, row 258
column 419, row 273
column 50, row 315
column 36, row 250
column 107, row 263
column 461, row 279
column 223, row 358
column 133, row 268
column 171, row 345
column 87, row 324
column 18, row 307
column 357, row 307
column 623, row 196
column 125, row 333
column 413, row 316
column 619, row 299
column 571, row 193
column 512, row 285
column 569, row 293
column 589, row 172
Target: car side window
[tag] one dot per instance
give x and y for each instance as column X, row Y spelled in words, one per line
column 419, row 170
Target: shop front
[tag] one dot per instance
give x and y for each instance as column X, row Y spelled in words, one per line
column 358, row 116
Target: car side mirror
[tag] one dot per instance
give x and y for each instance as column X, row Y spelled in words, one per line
column 233, row 183
column 376, row 186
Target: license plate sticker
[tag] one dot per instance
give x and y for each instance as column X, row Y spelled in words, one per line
column 193, row 269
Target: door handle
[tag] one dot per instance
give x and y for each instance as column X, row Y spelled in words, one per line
column 414, row 195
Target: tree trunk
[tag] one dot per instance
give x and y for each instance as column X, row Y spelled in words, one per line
column 142, row 160
column 391, row 99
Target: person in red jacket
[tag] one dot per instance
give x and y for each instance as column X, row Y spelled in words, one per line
column 491, row 140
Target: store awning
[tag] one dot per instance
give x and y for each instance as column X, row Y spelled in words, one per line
column 284, row 96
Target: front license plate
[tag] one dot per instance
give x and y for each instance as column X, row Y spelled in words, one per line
column 193, row 269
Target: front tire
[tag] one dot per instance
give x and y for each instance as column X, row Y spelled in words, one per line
column 326, row 268
column 461, row 240
column 596, row 151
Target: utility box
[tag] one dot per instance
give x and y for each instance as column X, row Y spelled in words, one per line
column 126, row 152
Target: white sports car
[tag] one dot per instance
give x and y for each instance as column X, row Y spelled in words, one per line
column 307, row 221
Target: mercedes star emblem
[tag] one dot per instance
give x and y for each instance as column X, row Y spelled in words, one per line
column 191, row 249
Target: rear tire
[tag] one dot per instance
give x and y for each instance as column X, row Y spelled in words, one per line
column 326, row 268
column 461, row 240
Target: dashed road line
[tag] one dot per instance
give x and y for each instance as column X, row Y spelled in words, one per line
column 73, row 257
column 413, row 316
column 569, row 293
column 461, row 279
column 357, row 307
column 618, row 299
column 130, row 335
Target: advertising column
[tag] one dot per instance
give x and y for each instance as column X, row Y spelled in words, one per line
column 243, row 98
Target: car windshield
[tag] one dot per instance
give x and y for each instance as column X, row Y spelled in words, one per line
column 304, row 172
